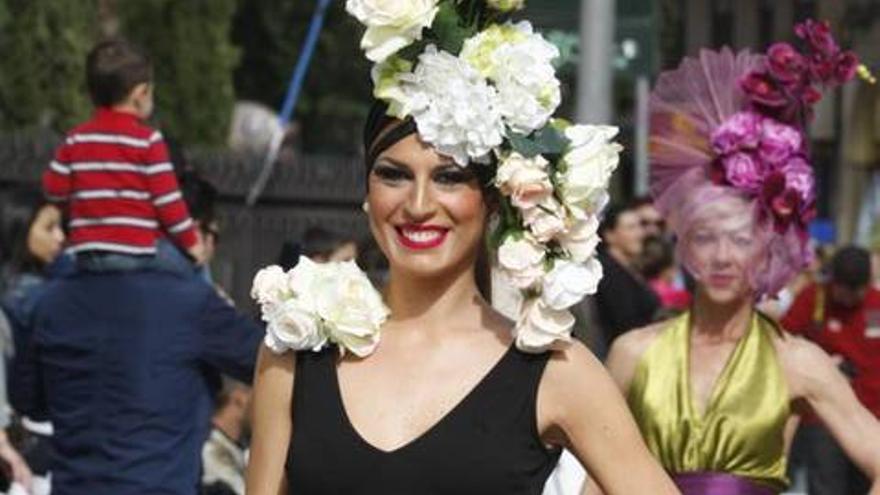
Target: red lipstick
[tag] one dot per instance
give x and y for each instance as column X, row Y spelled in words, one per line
column 421, row 237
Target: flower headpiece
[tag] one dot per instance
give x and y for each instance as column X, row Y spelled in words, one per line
column 482, row 90
column 739, row 121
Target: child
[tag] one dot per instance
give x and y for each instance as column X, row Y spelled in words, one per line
column 113, row 173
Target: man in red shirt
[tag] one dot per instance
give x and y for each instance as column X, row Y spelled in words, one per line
column 843, row 317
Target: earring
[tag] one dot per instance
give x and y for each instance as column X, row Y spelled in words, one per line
column 366, row 207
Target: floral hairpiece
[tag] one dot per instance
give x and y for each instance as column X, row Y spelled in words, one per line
column 762, row 150
column 482, row 90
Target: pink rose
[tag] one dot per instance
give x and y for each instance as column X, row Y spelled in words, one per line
column 742, row 131
column 743, row 171
column 818, row 36
column 763, row 90
column 799, row 177
column 847, row 64
column 786, row 64
column 779, row 142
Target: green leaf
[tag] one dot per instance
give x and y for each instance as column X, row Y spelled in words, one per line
column 548, row 141
column 524, row 145
column 449, row 30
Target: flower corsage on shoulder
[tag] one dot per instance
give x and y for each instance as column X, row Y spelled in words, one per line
column 313, row 305
column 482, row 89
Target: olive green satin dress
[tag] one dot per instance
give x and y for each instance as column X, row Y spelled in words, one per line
column 742, row 429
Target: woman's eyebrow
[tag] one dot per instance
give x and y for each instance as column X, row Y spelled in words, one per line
column 393, row 162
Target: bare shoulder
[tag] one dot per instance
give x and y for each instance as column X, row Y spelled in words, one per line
column 628, row 349
column 805, row 365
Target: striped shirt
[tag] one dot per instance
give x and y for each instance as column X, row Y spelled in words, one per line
column 115, row 178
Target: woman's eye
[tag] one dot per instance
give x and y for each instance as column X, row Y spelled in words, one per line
column 453, row 177
column 390, row 174
column 742, row 241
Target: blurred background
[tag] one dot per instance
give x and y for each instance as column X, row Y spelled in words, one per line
column 224, row 70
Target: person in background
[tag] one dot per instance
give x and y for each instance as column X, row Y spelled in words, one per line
column 843, row 317
column 650, row 218
column 624, row 300
column 319, row 245
column 32, row 241
column 224, row 455
column 112, row 174
column 658, row 267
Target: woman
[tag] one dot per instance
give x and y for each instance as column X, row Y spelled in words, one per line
column 718, row 392
column 32, row 239
column 448, row 402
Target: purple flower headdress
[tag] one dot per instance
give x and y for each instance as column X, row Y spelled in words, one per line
column 738, row 121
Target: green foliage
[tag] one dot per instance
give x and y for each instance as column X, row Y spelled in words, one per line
column 43, row 45
column 549, row 142
column 194, row 59
column 337, row 89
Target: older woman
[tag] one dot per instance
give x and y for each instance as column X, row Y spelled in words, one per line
column 718, row 392
column 455, row 399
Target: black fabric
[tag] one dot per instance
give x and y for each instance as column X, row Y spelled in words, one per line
column 377, row 121
column 488, row 444
column 624, row 301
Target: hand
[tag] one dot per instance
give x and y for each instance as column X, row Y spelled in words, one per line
column 21, row 473
column 197, row 252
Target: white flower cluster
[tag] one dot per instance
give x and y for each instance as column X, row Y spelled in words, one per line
column 503, row 81
column 552, row 260
column 495, row 100
column 315, row 304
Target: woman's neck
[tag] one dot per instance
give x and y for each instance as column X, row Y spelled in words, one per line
column 728, row 321
column 429, row 301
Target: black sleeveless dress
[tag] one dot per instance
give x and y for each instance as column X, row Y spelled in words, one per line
column 488, row 444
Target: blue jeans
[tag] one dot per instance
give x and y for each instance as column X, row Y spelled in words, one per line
column 167, row 259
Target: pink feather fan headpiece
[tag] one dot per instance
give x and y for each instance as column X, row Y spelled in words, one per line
column 725, row 123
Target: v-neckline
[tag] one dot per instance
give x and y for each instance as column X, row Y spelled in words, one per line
column 421, row 437
column 720, row 384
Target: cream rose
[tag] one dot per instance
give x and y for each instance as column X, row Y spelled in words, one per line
column 293, row 325
column 582, row 239
column 545, row 220
column 391, row 24
column 525, row 180
column 349, row 306
column 521, row 261
column 568, row 283
column 541, row 327
column 590, row 162
column 270, row 286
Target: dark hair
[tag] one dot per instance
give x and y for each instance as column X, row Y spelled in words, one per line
column 851, row 267
column 641, row 201
column 19, row 209
column 658, row 255
column 318, row 241
column 113, row 68
column 200, row 197
column 611, row 217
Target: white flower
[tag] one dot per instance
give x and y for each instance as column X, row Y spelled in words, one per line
column 519, row 63
column 525, row 180
column 582, row 239
column 568, row 283
column 506, row 5
column 521, row 261
column 270, row 286
column 391, row 24
column 350, row 308
column 589, row 164
column 545, row 220
column 456, row 110
column 541, row 327
column 293, row 325
column 314, row 304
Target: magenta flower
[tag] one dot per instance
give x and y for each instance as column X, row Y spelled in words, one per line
column 846, row 66
column 818, row 36
column 742, row 131
column 743, row 171
column 779, row 142
column 786, row 64
column 763, row 90
column 799, row 177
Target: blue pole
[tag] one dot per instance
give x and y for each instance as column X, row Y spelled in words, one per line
column 302, row 65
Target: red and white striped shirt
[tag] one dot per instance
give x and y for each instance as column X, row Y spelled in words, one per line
column 114, row 175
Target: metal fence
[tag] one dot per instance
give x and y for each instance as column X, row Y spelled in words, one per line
column 318, row 190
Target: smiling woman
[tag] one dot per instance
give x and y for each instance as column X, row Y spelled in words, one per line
column 461, row 153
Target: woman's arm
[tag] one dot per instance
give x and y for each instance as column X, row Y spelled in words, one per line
column 581, row 408
column 272, row 423
column 816, row 377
